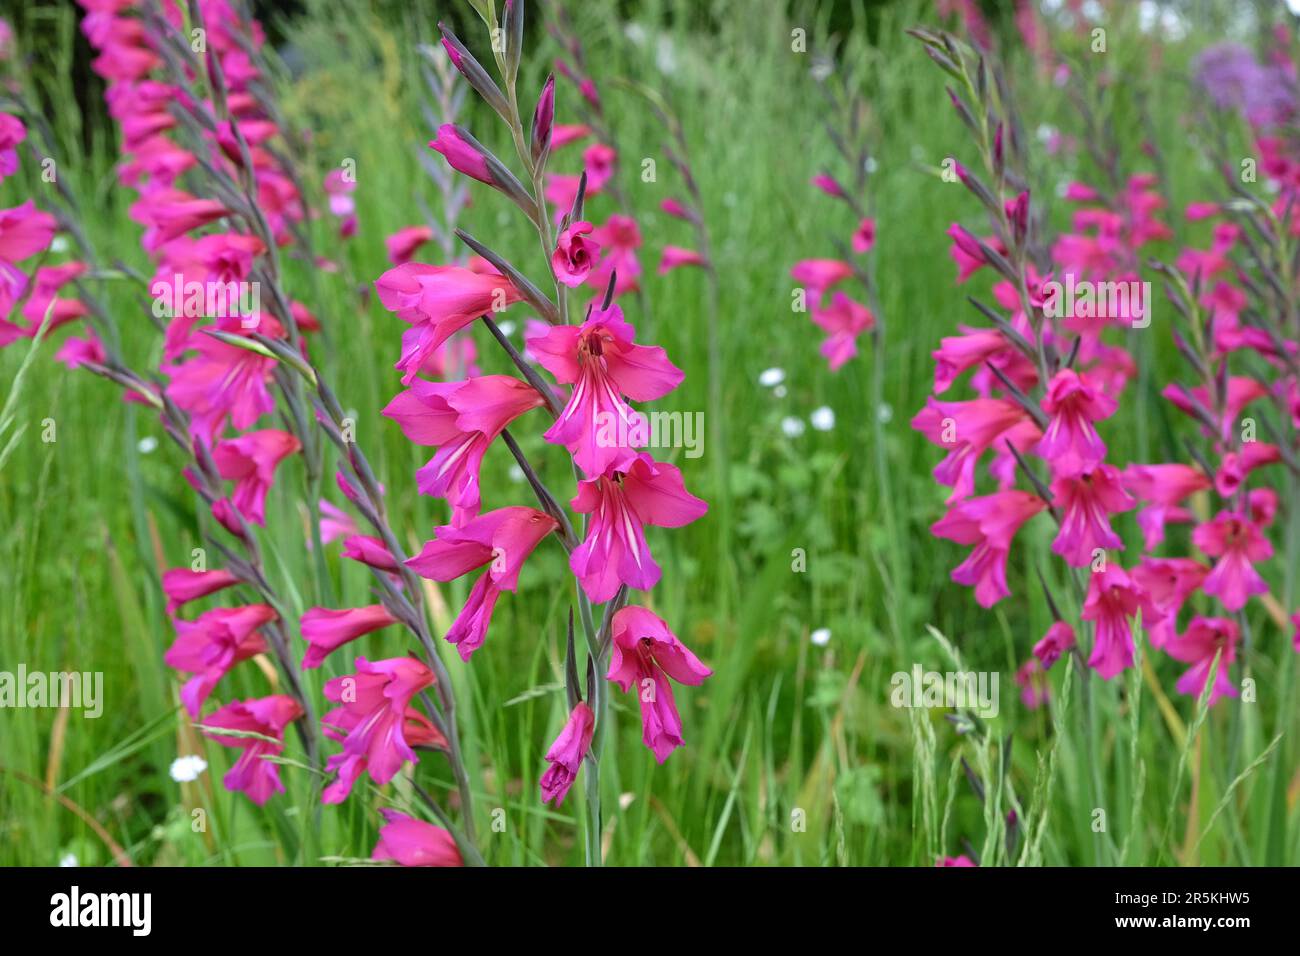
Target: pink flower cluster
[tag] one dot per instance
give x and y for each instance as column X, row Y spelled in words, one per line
column 833, row 310
column 1048, row 377
column 199, row 243
column 598, row 368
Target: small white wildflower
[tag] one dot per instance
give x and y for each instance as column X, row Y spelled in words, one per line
column 885, row 413
column 507, row 328
column 516, row 474
column 870, row 165
column 665, row 55
column 822, row 636
column 69, row 859
column 780, row 391
column 59, row 244
column 1045, row 133
column 147, row 444
column 187, row 769
column 793, row 427
column 771, row 377
column 635, row 32
column 823, row 419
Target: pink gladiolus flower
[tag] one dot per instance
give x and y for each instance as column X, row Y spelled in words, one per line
column 598, row 161
column 1080, row 192
column 1261, row 505
column 574, row 256
column 403, row 243
column 1205, row 637
column 1238, row 544
column 561, row 192
column 564, row 135
column 48, row 280
column 1236, row 465
column 621, row 504
column 24, row 231
column 339, row 186
column 864, row 237
column 412, row 842
column 675, row 257
column 675, row 209
column 181, row 585
column 818, row 275
column 326, row 630
column 1169, row 582
column 1242, row 390
column 972, row 349
column 372, row 721
column 988, row 523
column 438, row 301
column 462, row 155
column 227, row 256
column 250, row 462
column 1113, row 599
column 843, row 320
column 965, row 251
column 1087, row 501
column 1071, row 444
column 603, row 363
column 542, row 128
column 502, row 539
column 461, row 419
column 1164, row 486
column 12, row 132
column 827, row 184
column 335, row 523
column 370, row 551
column 221, row 382
column 644, row 653
column 211, row 644
column 620, row 238
column 565, row 755
column 1058, row 639
column 170, row 213
column 958, row 861
column 967, row 430
column 76, row 352
column 1031, row 678
column 259, row 779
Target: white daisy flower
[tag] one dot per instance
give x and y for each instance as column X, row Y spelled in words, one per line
column 823, row 419
column 187, row 769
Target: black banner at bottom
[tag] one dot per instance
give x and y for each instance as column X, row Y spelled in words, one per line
column 341, row 905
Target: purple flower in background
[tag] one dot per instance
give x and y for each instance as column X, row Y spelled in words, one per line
column 1234, row 79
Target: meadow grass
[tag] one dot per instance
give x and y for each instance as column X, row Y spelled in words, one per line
column 794, row 754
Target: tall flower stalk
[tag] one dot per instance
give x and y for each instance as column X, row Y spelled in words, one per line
column 620, row 490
